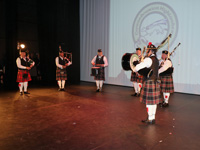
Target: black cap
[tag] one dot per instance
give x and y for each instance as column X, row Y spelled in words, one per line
column 99, row 50
column 152, row 47
column 23, row 50
column 165, row 52
column 61, row 51
column 138, row 49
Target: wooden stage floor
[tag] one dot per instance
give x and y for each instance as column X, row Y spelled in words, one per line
column 81, row 119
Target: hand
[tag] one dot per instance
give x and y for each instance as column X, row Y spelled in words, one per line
column 93, row 63
column 31, row 66
column 64, row 67
column 28, row 68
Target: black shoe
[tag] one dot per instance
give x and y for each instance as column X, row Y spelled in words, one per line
column 59, row 89
column 165, row 105
column 134, row 94
column 149, row 121
column 26, row 93
column 20, row 93
column 138, row 95
column 62, row 89
column 97, row 90
column 145, row 120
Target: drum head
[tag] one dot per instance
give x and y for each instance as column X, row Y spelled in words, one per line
column 134, row 57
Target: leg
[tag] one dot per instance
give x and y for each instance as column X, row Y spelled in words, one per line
column 151, row 110
column 59, row 84
column 97, row 84
column 63, row 84
column 25, row 88
column 21, row 85
column 135, row 88
column 139, row 87
column 166, row 97
column 101, row 84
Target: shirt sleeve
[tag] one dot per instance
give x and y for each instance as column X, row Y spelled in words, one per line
column 18, row 62
column 57, row 63
column 105, row 61
column 146, row 63
column 165, row 66
column 93, row 60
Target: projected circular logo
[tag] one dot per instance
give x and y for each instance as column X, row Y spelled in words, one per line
column 154, row 22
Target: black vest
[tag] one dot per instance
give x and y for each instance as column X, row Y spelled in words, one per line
column 167, row 72
column 99, row 61
column 154, row 67
column 61, row 62
column 24, row 63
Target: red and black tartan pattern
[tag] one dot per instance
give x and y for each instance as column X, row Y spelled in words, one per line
column 140, row 79
column 61, row 74
column 20, row 76
column 133, row 77
column 150, row 93
column 101, row 75
column 167, row 84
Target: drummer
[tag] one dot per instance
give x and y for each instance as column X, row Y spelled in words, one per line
column 100, row 61
column 136, row 78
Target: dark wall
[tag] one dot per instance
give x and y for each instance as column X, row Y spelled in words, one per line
column 41, row 25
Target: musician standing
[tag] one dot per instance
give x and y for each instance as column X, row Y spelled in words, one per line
column 165, row 73
column 136, row 78
column 61, row 73
column 150, row 94
column 24, row 65
column 100, row 61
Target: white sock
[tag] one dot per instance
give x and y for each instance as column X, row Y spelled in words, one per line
column 25, row 86
column 97, row 83
column 166, row 97
column 63, row 84
column 139, row 85
column 21, row 85
column 151, row 111
column 59, row 83
column 135, row 87
column 101, row 84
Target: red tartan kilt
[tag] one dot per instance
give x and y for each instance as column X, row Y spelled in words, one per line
column 61, row 74
column 101, row 75
column 167, row 84
column 150, row 93
column 133, row 77
column 20, row 76
column 140, row 79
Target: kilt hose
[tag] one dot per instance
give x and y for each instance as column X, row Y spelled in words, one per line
column 101, row 75
column 133, row 77
column 61, row 74
column 167, row 85
column 23, row 76
column 150, row 93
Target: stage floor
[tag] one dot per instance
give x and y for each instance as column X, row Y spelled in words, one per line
column 81, row 119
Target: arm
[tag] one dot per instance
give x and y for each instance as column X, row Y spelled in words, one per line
column 57, row 63
column 146, row 63
column 93, row 60
column 166, row 65
column 105, row 61
column 18, row 62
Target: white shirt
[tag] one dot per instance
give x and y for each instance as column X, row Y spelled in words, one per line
column 147, row 62
column 167, row 64
column 19, row 65
column 104, row 59
column 59, row 65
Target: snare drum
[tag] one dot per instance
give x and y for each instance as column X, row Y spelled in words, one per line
column 95, row 71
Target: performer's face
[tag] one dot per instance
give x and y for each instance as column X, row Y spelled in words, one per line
column 138, row 52
column 23, row 54
column 99, row 53
column 164, row 56
column 62, row 54
column 149, row 52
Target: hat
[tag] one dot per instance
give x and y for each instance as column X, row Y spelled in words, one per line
column 165, row 52
column 23, row 50
column 152, row 47
column 138, row 49
column 61, row 51
column 99, row 50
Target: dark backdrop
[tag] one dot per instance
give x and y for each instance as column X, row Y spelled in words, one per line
column 42, row 25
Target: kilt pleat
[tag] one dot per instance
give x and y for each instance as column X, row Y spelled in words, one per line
column 20, row 75
column 167, row 84
column 61, row 74
column 136, row 78
column 101, row 75
column 150, row 93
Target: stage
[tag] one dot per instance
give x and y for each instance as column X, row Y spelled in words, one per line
column 81, row 119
